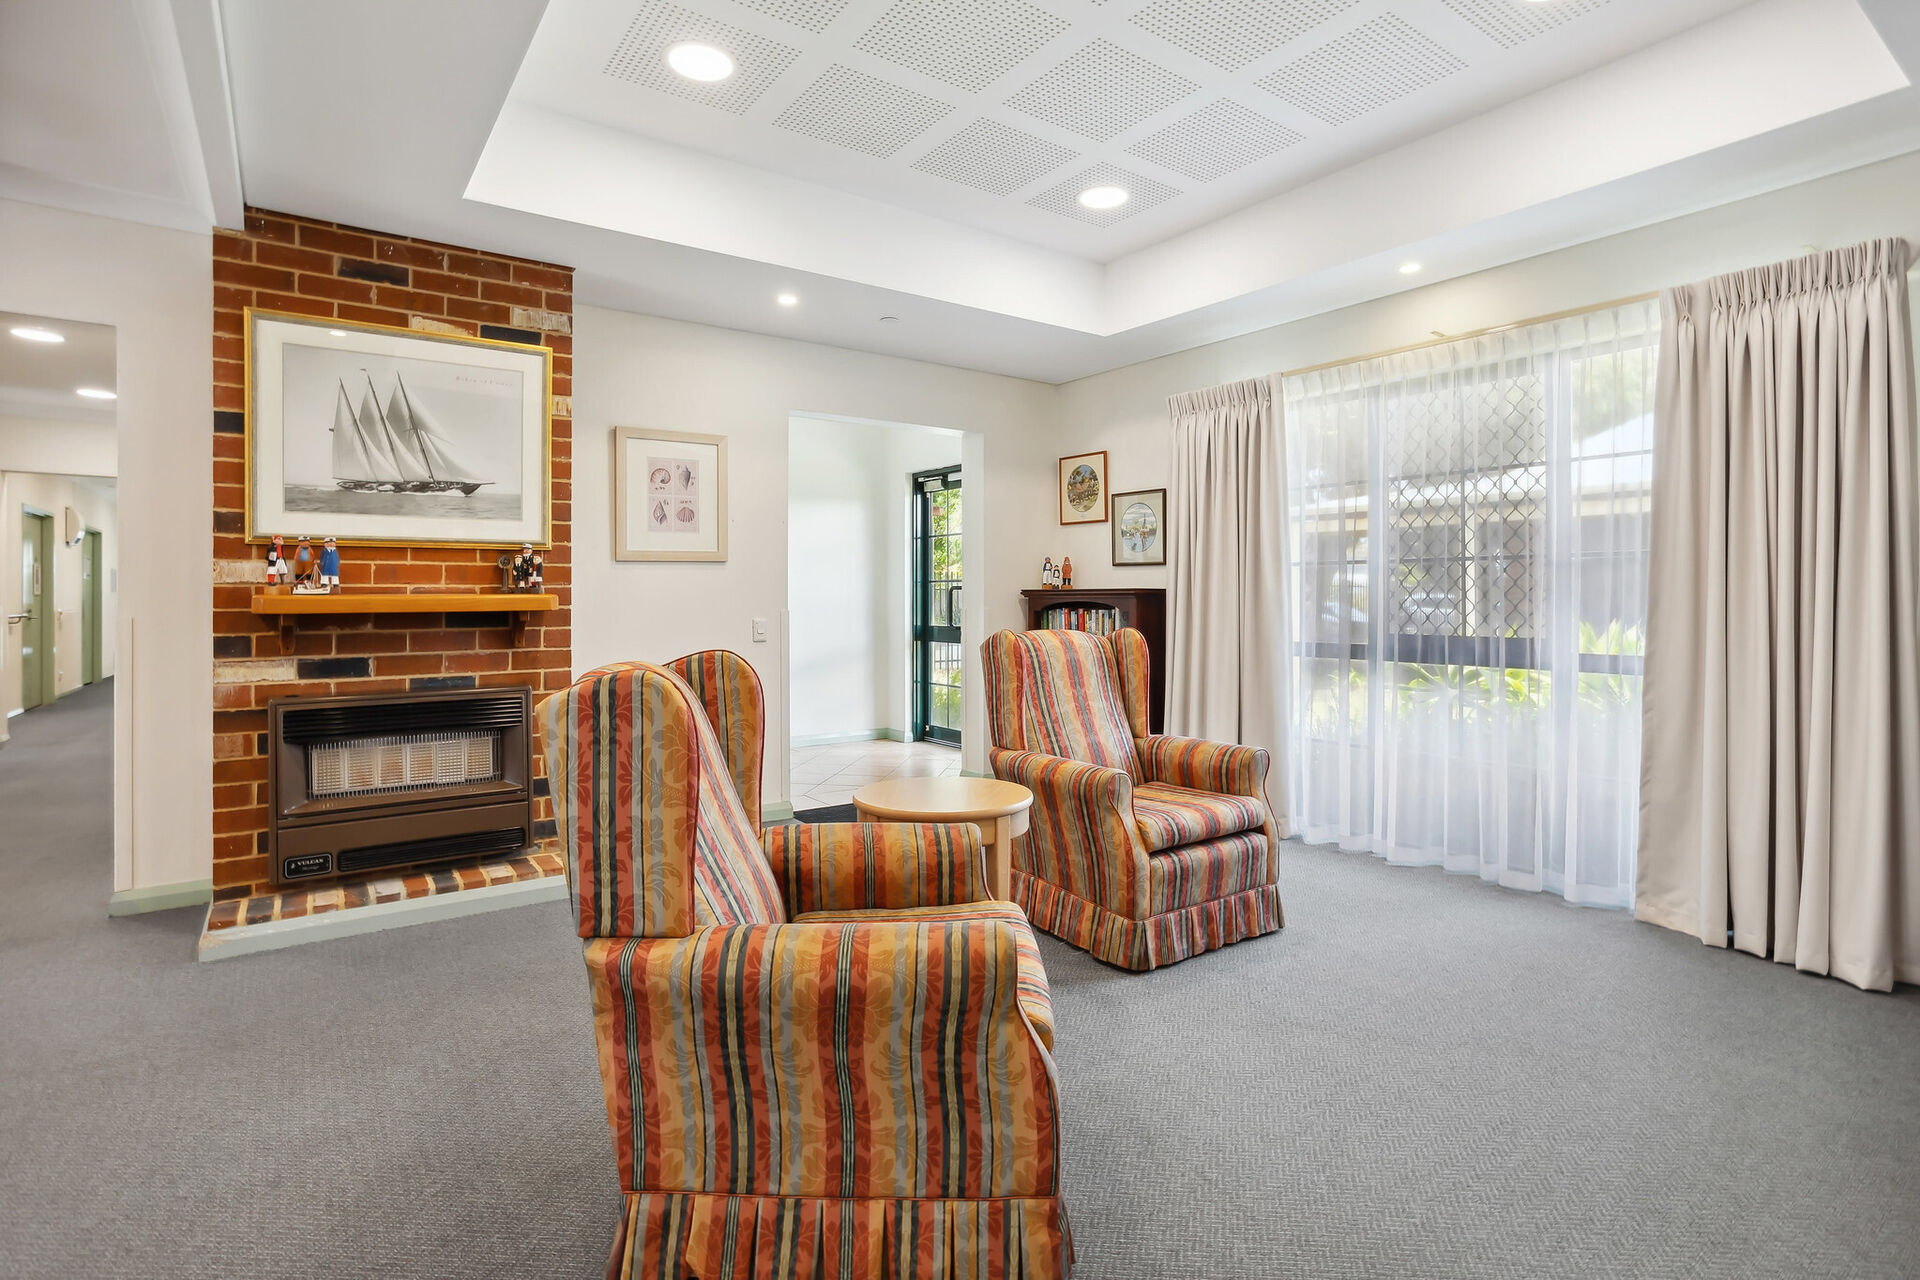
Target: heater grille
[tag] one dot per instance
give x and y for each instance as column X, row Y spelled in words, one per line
column 403, row 762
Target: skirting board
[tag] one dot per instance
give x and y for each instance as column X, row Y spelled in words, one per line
column 859, row 735
column 776, row 811
column 272, row 935
column 160, row 897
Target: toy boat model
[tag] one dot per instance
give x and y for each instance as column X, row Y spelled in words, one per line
column 396, row 449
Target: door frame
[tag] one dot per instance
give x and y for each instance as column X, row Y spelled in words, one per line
column 42, row 624
column 92, row 602
column 924, row 633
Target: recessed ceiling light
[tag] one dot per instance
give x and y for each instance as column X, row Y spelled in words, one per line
column 700, row 62
column 337, row 333
column 788, row 300
column 1409, row 268
column 95, row 393
column 28, row 333
column 1104, row 197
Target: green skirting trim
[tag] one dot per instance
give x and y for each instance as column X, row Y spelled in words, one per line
column 160, row 897
column 859, row 735
column 781, row 811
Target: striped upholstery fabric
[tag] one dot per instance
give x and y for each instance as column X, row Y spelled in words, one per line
column 1165, row 816
column 851, row 867
column 1069, row 696
column 755, row 1072
column 1134, row 665
column 1206, row 766
column 868, row 1092
column 1198, row 873
column 736, row 707
column 1036, row 998
column 1141, row 855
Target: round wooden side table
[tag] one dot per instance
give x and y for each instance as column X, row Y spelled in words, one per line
column 998, row 808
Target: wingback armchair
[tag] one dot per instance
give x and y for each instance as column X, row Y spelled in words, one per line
column 825, row 1050
column 1143, row 849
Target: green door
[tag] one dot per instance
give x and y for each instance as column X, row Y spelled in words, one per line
column 90, row 608
column 36, row 612
column 936, row 606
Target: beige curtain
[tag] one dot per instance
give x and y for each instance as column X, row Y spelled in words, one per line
column 1227, row 634
column 1780, row 784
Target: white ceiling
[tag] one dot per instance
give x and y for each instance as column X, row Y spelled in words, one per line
column 976, row 110
column 1296, row 152
column 37, row 379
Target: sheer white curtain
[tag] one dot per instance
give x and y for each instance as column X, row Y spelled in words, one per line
column 1469, row 584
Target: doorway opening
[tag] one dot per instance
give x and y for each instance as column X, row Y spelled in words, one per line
column 938, row 527
column 874, row 623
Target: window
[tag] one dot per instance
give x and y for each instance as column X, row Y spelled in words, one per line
column 1470, row 541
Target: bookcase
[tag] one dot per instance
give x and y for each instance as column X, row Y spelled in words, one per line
column 1106, row 610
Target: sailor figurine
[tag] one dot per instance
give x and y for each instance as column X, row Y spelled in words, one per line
column 1046, row 573
column 330, row 567
column 277, row 561
column 536, row 571
column 1066, row 571
column 303, row 565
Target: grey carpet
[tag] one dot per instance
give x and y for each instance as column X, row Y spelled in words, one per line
column 828, row 813
column 1421, row 1076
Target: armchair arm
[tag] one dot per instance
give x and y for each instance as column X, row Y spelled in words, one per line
column 835, row 1060
column 1080, row 829
column 1221, row 767
column 851, row 866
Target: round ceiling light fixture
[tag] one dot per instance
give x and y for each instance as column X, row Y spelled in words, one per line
column 1409, row 268
column 95, row 393
column 700, row 62
column 32, row 333
column 1104, row 197
column 788, row 299
column 336, row 333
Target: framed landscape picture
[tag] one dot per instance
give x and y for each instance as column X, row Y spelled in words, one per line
column 1083, row 488
column 1140, row 527
column 378, row 435
column 669, row 495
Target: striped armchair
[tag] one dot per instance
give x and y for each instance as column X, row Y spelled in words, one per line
column 825, row 1051
column 1144, row 849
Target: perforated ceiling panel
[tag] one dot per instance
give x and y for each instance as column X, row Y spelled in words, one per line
column 989, row 155
column 641, row 56
column 1215, row 140
column 1366, row 68
column 1232, row 33
column 1064, row 199
column 1102, row 90
column 813, row 15
column 965, row 43
column 1510, row 22
column 863, row 112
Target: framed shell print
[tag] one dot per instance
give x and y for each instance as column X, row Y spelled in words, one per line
column 669, row 495
column 1139, row 527
column 1083, row 488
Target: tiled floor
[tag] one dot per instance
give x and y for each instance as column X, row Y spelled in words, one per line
column 829, row 775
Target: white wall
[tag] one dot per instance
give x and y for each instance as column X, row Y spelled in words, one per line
column 58, row 446
column 93, row 499
column 849, row 503
column 641, row 371
column 1125, row 412
column 154, row 286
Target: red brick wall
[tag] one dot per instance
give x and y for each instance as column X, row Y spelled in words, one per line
column 281, row 262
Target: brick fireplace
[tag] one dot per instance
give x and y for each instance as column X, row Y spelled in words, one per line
column 283, row 262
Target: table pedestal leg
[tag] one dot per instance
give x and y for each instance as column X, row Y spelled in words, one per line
column 998, row 835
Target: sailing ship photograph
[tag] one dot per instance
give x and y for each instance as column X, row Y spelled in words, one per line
column 389, row 435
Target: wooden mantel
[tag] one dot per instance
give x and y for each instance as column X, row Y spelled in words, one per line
column 285, row 604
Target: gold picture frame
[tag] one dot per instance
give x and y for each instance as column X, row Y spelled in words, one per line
column 397, row 510
column 669, row 495
column 1083, row 488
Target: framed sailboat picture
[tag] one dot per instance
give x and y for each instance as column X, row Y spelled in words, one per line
column 379, row 435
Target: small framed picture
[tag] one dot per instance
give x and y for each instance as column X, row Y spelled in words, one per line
column 669, row 495
column 1140, row 527
column 1083, row 488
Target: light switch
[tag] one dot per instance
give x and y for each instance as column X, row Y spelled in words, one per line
column 759, row 630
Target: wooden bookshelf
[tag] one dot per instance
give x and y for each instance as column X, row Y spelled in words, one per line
column 285, row 604
column 1142, row 608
